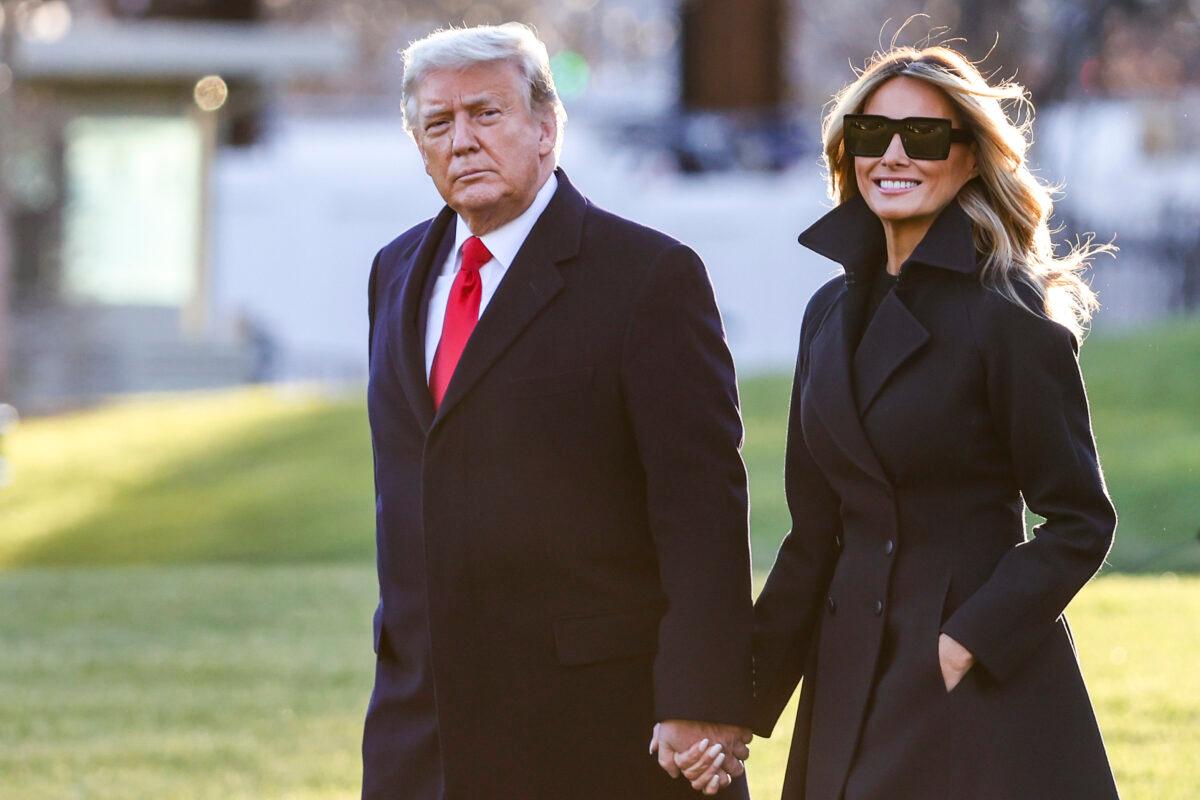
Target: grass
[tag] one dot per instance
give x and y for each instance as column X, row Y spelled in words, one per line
column 263, row 476
column 184, row 682
column 1145, row 394
column 249, row 476
column 187, row 587
column 248, row 682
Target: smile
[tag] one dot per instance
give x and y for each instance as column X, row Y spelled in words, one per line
column 896, row 185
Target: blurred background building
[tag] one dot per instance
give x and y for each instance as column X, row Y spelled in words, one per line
column 191, row 191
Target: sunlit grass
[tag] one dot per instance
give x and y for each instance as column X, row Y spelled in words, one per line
column 255, row 475
column 209, row 634
column 264, row 476
column 240, row 683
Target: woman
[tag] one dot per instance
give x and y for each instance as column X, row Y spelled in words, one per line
column 936, row 385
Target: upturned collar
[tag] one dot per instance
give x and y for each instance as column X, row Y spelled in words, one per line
column 853, row 236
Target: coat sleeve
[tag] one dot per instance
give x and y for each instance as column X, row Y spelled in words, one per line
column 1036, row 394
column 372, row 279
column 785, row 616
column 682, row 403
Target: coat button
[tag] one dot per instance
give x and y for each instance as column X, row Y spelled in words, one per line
column 832, row 605
column 878, row 607
column 890, row 547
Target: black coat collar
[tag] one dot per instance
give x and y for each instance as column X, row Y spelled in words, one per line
column 844, row 380
column 532, row 280
column 853, row 236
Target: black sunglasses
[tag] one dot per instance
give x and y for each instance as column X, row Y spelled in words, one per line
column 925, row 138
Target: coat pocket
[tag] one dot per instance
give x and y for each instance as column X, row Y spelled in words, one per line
column 602, row 637
column 943, row 600
column 555, row 383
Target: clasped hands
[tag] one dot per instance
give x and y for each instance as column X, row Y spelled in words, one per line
column 710, row 755
column 707, row 754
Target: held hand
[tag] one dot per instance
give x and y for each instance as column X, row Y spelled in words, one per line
column 708, row 755
column 956, row 661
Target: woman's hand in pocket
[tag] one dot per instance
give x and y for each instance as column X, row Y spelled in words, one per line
column 956, row 661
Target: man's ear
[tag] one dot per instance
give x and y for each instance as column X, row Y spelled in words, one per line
column 548, row 131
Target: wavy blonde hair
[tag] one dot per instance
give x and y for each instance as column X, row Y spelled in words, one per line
column 1008, row 206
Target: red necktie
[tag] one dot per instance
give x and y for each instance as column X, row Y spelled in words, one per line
column 462, row 312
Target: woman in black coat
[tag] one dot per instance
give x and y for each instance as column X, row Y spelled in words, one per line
column 936, row 386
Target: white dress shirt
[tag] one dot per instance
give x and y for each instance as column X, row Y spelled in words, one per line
column 503, row 243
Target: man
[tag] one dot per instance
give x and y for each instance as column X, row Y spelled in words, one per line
column 560, row 499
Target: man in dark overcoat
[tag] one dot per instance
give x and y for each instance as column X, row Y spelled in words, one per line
column 561, row 502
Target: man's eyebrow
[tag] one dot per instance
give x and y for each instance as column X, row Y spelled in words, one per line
column 437, row 108
column 433, row 109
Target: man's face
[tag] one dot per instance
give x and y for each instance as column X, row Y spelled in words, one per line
column 487, row 152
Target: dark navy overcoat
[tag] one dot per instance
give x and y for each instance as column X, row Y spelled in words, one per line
column 907, row 462
column 562, row 547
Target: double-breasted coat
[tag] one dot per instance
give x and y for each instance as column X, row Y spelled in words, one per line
column 562, row 545
column 907, row 461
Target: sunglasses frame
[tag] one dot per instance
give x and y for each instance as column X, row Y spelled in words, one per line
column 899, row 126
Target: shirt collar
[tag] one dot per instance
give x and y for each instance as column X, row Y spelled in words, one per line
column 505, row 242
column 853, row 236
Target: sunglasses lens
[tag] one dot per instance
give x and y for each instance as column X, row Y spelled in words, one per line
column 866, row 136
column 926, row 139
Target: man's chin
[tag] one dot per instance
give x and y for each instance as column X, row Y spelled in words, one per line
column 475, row 199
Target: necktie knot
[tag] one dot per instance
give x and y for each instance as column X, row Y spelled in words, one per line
column 474, row 254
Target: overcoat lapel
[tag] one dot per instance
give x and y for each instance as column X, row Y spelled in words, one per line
column 832, row 392
column 532, row 281
column 844, row 383
column 408, row 340
column 893, row 336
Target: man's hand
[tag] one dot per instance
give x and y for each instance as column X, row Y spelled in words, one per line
column 709, row 755
column 956, row 661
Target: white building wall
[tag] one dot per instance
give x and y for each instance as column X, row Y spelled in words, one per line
column 299, row 219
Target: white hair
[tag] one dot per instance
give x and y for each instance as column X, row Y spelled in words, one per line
column 460, row 48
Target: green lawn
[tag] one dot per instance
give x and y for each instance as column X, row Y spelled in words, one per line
column 248, row 476
column 187, row 586
column 249, row 682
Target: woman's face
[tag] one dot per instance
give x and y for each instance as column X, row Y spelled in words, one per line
column 900, row 189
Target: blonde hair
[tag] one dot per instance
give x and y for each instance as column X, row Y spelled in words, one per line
column 460, row 48
column 1008, row 206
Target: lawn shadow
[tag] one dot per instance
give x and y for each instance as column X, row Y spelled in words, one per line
column 295, row 489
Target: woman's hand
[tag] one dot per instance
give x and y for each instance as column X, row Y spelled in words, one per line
column 701, row 766
column 711, row 763
column 956, row 661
